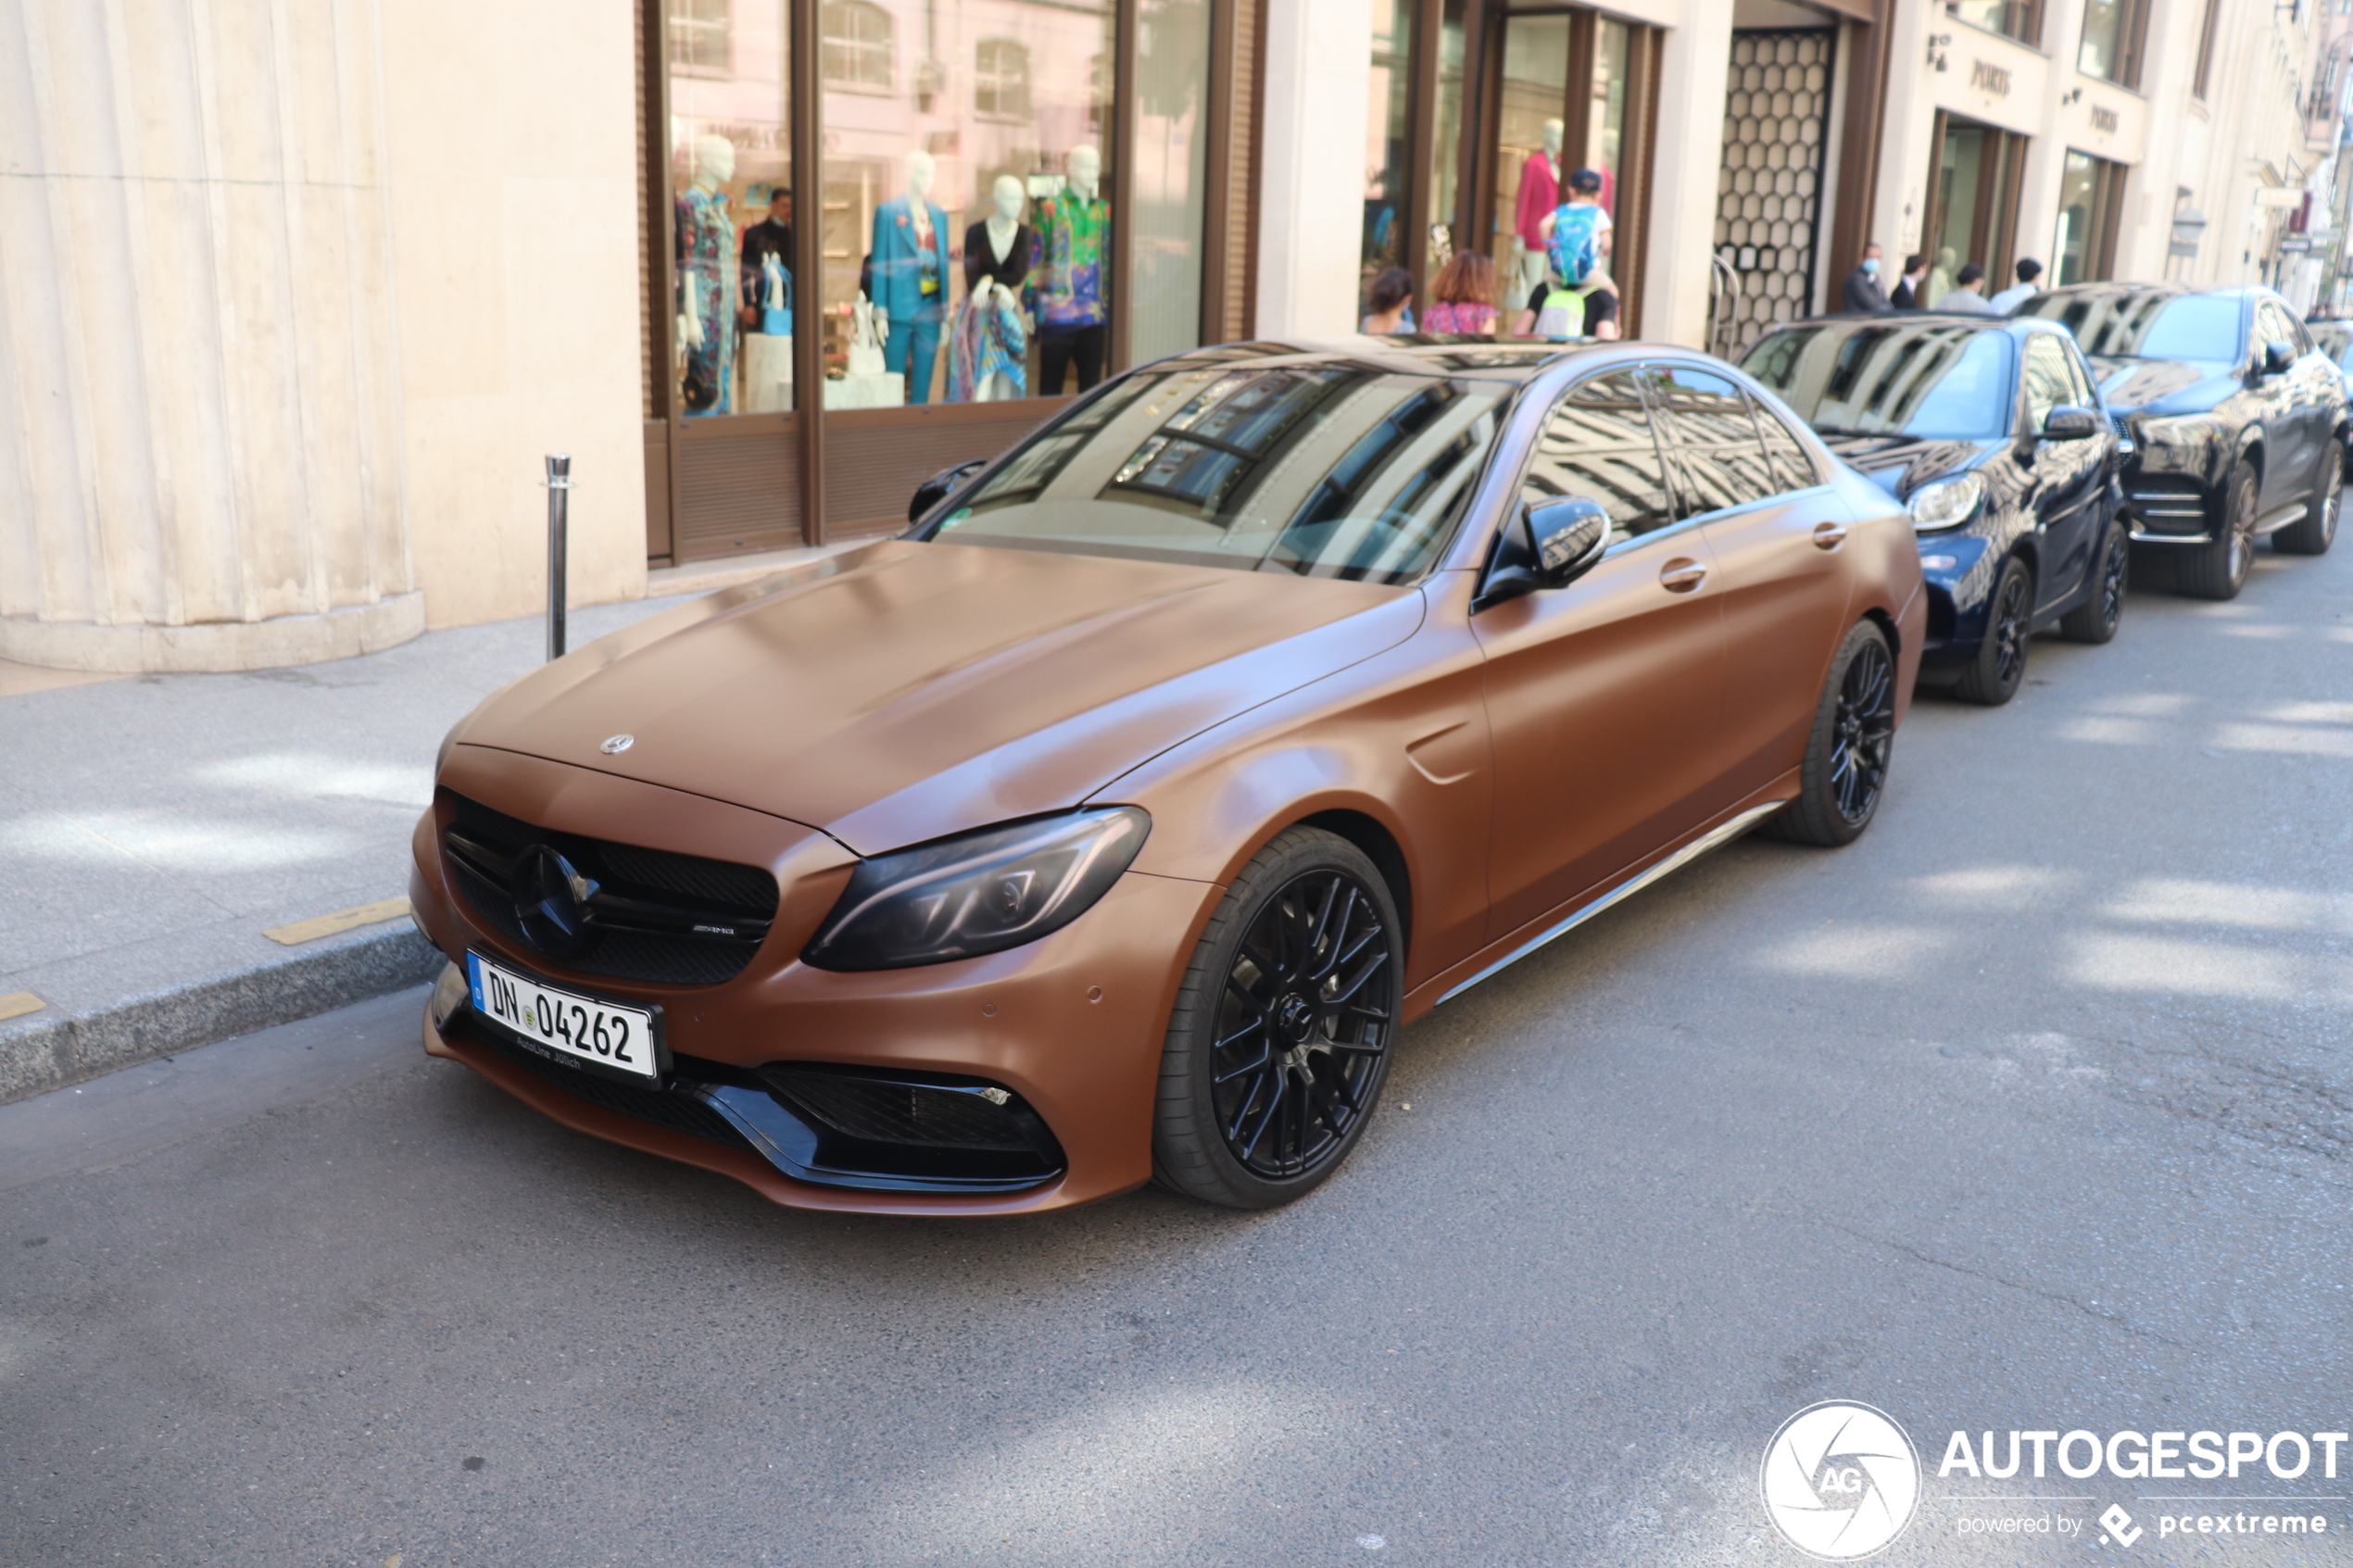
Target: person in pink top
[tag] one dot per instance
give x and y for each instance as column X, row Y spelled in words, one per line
column 1464, row 296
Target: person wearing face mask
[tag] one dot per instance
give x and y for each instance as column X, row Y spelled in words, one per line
column 1863, row 291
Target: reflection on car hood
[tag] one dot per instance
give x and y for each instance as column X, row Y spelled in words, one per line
column 904, row 691
column 1900, row 464
column 2160, row 386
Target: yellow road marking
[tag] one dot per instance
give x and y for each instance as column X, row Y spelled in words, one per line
column 304, row 930
column 16, row 1004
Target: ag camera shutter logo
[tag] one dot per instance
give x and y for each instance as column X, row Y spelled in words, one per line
column 1840, row 1480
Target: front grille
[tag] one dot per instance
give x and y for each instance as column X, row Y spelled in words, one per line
column 675, row 919
column 2167, row 503
column 680, row 1113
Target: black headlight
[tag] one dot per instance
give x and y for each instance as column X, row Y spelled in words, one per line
column 979, row 893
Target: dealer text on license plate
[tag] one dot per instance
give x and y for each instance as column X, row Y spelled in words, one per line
column 582, row 1027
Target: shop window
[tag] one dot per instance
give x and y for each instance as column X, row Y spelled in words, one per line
column 1000, row 79
column 2091, row 191
column 1388, row 131
column 698, row 39
column 2113, row 31
column 858, row 44
column 1171, row 175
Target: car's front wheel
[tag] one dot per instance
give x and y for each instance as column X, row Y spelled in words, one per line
column 2218, row 571
column 1281, row 1035
column 1845, row 768
column 1992, row 678
column 2096, row 619
column 2312, row 533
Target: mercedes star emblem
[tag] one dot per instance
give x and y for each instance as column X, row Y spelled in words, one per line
column 615, row 744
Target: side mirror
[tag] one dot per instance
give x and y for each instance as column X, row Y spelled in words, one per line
column 1549, row 545
column 939, row 486
column 2277, row 357
column 2071, row 424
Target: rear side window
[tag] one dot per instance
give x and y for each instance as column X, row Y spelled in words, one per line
column 1598, row 442
column 1714, row 452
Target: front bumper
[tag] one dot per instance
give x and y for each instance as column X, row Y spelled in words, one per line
column 1071, row 1024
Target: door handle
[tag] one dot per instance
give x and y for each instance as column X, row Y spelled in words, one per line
column 1681, row 575
column 1829, row 535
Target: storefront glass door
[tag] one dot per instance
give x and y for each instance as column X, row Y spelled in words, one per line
column 1973, row 208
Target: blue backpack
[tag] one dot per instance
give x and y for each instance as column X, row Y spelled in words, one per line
column 1576, row 249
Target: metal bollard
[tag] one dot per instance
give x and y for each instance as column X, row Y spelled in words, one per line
column 559, row 482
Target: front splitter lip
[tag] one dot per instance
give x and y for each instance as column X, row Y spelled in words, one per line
column 742, row 1164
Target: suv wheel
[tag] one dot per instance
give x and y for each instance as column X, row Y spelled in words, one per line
column 2094, row 621
column 2219, row 571
column 2312, row 533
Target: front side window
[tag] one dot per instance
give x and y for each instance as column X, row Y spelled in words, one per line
column 2273, row 324
column 2149, row 325
column 1942, row 381
column 1599, row 443
column 2044, row 381
column 1713, row 448
column 1319, row 470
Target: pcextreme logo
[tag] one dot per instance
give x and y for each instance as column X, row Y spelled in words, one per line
column 1840, row 1480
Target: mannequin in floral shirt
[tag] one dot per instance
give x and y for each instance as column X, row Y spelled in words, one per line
column 1074, row 234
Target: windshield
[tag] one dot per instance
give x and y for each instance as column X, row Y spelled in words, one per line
column 2149, row 326
column 1940, row 382
column 1323, row 470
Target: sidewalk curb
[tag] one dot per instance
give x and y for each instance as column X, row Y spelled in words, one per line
column 45, row 1051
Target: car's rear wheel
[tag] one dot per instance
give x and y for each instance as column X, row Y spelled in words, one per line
column 2219, row 571
column 2312, row 533
column 1992, row 677
column 1280, row 1037
column 2094, row 621
column 1846, row 769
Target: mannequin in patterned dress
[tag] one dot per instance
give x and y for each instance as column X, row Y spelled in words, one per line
column 708, row 287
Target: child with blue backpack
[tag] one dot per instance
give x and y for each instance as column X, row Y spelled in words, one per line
column 1578, row 299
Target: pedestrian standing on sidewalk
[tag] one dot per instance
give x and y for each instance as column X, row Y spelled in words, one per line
column 2021, row 292
column 1907, row 288
column 1863, row 289
column 1967, row 295
column 1463, row 300
column 1392, row 302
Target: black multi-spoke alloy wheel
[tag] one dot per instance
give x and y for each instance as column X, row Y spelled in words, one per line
column 2312, row 533
column 1281, row 1032
column 1992, row 677
column 2219, row 571
column 2094, row 621
column 1846, row 769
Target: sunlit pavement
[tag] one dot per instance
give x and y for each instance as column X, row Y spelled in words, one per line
column 2033, row 1110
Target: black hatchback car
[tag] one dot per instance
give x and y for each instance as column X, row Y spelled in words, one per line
column 1991, row 432
column 2238, row 416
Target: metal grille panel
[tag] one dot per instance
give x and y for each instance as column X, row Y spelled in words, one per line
column 1769, row 190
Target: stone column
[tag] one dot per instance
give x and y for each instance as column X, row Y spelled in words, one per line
column 200, row 453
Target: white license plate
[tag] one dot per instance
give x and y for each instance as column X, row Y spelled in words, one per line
column 586, row 1029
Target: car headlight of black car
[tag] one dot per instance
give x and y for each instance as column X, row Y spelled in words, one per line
column 977, row 892
column 1947, row 503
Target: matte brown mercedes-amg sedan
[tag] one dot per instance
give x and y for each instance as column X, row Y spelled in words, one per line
column 1108, row 825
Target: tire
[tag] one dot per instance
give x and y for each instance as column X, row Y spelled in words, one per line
column 2312, row 533
column 2096, row 619
column 1845, row 773
column 2219, row 571
column 1994, row 676
column 1280, row 1039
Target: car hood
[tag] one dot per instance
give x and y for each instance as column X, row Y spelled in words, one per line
column 908, row 690
column 2161, row 386
column 1900, row 464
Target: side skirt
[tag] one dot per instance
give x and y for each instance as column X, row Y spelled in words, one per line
column 1715, row 838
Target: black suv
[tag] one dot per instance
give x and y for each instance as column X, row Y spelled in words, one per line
column 2239, row 421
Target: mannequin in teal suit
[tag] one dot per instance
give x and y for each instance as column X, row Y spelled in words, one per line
column 911, row 276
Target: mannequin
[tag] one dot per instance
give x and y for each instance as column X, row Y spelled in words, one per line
column 709, row 289
column 1540, row 184
column 911, row 276
column 992, row 340
column 1074, row 236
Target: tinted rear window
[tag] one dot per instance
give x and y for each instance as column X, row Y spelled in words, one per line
column 1939, row 381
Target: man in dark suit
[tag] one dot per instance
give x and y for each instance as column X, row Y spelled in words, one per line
column 1907, row 288
column 1863, row 291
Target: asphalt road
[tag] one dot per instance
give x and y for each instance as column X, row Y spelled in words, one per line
column 2033, row 1110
